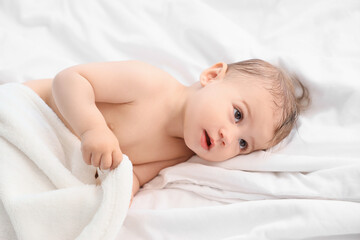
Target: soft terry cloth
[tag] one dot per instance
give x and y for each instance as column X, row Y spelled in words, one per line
column 47, row 191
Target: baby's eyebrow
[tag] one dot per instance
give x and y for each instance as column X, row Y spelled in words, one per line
column 247, row 108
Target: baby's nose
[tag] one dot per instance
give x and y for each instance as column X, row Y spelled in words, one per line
column 225, row 137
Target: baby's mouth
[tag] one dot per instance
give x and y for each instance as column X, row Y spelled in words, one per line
column 208, row 140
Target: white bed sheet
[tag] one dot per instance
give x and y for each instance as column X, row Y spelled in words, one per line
column 306, row 188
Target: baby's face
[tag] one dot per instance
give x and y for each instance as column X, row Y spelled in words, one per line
column 229, row 117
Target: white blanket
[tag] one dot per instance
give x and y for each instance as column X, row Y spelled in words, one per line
column 46, row 190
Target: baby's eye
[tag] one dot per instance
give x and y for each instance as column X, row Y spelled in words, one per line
column 237, row 115
column 243, row 144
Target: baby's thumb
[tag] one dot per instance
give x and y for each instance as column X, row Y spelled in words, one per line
column 116, row 159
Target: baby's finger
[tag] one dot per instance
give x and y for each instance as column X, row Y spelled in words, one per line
column 86, row 157
column 95, row 159
column 105, row 162
column 116, row 159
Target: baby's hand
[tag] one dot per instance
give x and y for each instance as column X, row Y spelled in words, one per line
column 100, row 148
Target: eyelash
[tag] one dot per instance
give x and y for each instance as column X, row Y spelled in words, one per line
column 242, row 143
column 241, row 115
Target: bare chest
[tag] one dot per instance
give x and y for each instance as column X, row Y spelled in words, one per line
column 140, row 129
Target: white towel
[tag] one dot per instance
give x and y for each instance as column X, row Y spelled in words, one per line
column 46, row 190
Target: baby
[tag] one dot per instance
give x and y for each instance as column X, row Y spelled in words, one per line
column 137, row 109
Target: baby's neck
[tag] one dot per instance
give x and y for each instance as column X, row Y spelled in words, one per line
column 175, row 123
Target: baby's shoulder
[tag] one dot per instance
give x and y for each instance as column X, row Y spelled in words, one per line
column 156, row 80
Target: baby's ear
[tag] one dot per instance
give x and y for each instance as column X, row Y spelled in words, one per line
column 215, row 72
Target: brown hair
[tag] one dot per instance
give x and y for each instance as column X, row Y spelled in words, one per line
column 290, row 95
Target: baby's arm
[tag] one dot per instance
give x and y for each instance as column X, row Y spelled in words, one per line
column 75, row 91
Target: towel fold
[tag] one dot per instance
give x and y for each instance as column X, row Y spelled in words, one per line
column 46, row 190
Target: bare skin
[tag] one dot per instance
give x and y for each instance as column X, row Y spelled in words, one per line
column 137, row 109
